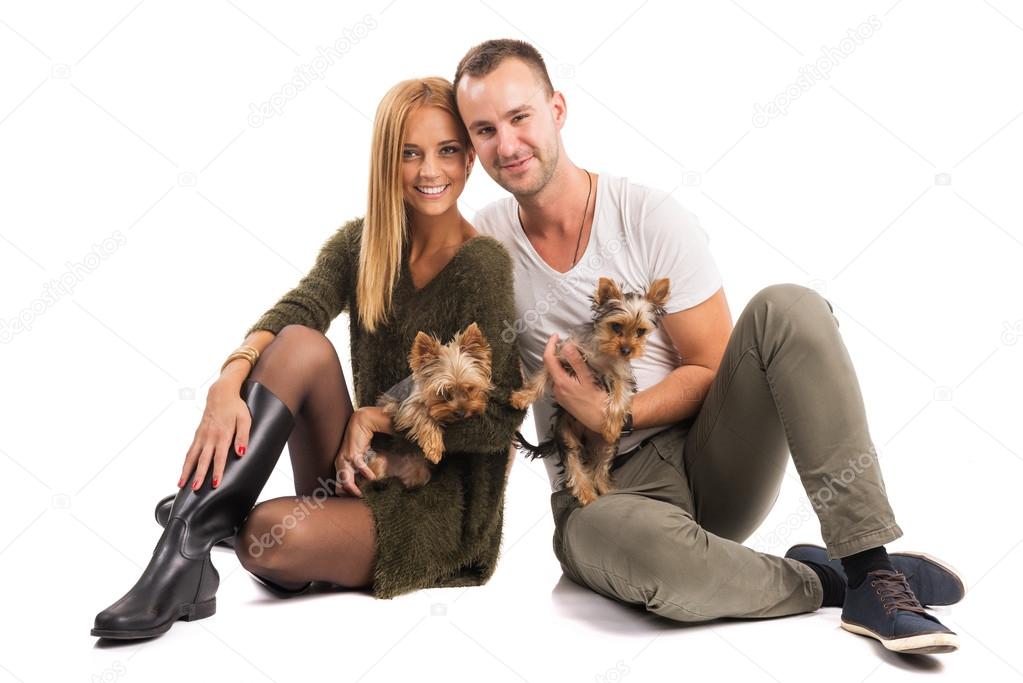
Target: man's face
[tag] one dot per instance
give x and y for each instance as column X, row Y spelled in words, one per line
column 513, row 125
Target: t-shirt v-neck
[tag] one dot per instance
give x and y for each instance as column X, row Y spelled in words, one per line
column 535, row 255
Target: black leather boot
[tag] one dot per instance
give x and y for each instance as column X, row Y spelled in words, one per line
column 162, row 513
column 180, row 581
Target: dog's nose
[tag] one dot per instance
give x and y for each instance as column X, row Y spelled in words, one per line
column 626, row 350
column 460, row 414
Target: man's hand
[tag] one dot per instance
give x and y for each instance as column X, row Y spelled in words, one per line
column 579, row 395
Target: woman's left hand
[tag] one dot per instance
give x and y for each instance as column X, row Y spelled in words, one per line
column 363, row 423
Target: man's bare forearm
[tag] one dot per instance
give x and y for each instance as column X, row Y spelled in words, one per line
column 676, row 397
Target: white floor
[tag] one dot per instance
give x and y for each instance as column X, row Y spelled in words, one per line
column 529, row 623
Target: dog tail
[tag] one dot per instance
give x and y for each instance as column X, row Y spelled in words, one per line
column 542, row 450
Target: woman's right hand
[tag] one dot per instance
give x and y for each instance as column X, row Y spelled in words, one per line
column 226, row 416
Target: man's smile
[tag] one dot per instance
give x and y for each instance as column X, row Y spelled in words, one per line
column 517, row 165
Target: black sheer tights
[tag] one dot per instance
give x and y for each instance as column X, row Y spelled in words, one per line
column 315, row 535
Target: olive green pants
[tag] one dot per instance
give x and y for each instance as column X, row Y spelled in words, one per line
column 670, row 536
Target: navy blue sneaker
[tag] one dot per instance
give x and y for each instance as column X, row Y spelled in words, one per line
column 884, row 607
column 933, row 582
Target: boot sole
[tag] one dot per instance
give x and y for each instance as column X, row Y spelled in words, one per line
column 193, row 612
column 923, row 644
column 930, row 559
column 279, row 590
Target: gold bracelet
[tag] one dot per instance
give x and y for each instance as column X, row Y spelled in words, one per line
column 249, row 355
column 247, row 352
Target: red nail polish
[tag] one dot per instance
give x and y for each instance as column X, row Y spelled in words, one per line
column 195, row 484
column 241, row 450
column 181, row 482
column 215, row 482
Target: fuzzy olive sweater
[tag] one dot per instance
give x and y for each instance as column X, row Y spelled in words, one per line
column 447, row 533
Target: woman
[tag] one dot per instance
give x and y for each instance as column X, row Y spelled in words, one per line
column 413, row 263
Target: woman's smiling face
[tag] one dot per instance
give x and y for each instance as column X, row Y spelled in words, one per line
column 435, row 159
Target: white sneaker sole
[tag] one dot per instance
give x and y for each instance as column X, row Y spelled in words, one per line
column 923, row 644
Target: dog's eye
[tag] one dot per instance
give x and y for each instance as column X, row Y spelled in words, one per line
column 444, row 394
column 640, row 332
column 617, row 327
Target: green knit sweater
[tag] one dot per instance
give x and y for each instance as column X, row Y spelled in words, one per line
column 447, row 533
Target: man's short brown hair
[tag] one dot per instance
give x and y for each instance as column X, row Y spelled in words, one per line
column 487, row 56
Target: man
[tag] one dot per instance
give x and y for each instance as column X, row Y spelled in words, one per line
column 718, row 409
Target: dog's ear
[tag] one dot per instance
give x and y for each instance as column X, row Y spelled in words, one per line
column 472, row 341
column 657, row 294
column 424, row 349
column 606, row 289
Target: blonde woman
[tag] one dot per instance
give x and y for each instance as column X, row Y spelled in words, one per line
column 412, row 263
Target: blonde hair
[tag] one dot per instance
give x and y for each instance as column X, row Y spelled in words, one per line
column 385, row 228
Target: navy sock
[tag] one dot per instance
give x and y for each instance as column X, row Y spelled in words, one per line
column 856, row 566
column 834, row 586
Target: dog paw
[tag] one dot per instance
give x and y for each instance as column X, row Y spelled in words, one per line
column 519, row 400
column 431, row 442
column 610, row 434
column 585, row 495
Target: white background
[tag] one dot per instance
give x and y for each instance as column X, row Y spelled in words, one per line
column 891, row 187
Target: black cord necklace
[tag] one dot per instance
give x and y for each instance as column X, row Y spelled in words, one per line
column 586, row 208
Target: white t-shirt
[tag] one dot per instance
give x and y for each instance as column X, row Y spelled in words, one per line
column 639, row 235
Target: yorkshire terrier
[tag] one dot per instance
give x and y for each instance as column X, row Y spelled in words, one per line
column 617, row 333
column 449, row 382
